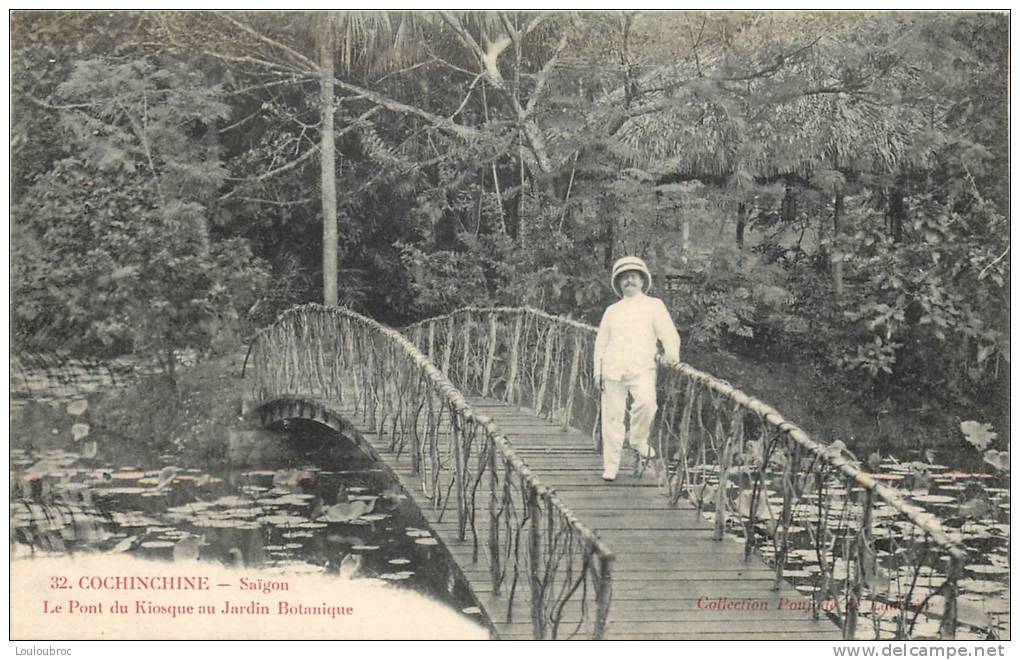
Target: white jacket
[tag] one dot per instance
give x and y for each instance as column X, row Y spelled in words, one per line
column 625, row 343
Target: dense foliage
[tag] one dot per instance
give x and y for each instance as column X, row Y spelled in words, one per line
column 825, row 186
column 113, row 247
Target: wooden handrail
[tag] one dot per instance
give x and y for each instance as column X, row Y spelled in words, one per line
column 277, row 352
column 526, row 335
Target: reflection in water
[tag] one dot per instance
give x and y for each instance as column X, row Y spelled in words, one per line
column 305, row 502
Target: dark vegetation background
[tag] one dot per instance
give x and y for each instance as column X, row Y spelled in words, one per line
column 825, row 194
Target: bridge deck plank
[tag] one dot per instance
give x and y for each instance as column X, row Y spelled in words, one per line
column 668, row 570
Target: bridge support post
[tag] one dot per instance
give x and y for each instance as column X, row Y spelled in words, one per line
column 465, row 372
column 511, row 381
column 448, row 349
column 950, row 613
column 460, row 456
column 720, row 496
column 603, row 595
column 865, row 566
column 546, row 361
column 490, row 355
column 494, row 558
column 534, row 561
column 575, row 363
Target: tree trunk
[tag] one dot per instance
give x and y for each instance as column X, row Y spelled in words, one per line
column 523, row 209
column 789, row 205
column 837, row 255
column 610, row 236
column 897, row 213
column 685, row 236
column 328, row 166
column 741, row 223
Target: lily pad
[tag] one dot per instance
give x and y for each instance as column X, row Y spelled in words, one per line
column 133, row 475
column 302, row 568
column 281, row 520
column 981, row 586
column 231, row 500
column 797, row 573
column 158, row 544
column 191, row 508
column 346, row 511
column 988, row 569
column 933, row 499
column 77, row 407
column 414, row 532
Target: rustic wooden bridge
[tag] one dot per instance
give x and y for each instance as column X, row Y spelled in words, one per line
column 749, row 529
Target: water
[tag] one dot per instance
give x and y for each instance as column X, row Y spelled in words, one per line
column 309, row 504
column 974, row 507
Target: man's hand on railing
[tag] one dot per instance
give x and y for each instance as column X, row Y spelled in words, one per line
column 667, row 361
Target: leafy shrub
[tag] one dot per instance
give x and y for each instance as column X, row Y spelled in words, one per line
column 114, row 250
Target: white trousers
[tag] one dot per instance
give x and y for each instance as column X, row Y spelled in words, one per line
column 642, row 411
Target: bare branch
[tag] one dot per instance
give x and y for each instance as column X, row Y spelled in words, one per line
column 312, row 66
column 697, row 45
column 273, row 202
column 286, row 167
column 247, row 59
column 997, row 260
column 465, row 36
column 51, row 106
column 467, row 97
column 239, row 122
column 265, row 85
column 535, row 22
column 778, row 64
column 543, row 76
column 403, row 71
column 510, row 29
column 487, row 57
column 442, row 123
column 378, row 99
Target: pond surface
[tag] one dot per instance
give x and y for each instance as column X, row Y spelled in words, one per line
column 310, row 504
column 972, row 507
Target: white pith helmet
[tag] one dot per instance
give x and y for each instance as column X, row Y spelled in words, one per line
column 624, row 264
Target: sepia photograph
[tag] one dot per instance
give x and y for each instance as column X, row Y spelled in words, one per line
column 510, row 325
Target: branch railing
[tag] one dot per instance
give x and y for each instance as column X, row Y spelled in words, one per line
column 536, row 549
column 878, row 565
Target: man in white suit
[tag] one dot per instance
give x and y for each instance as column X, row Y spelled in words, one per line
column 625, row 350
